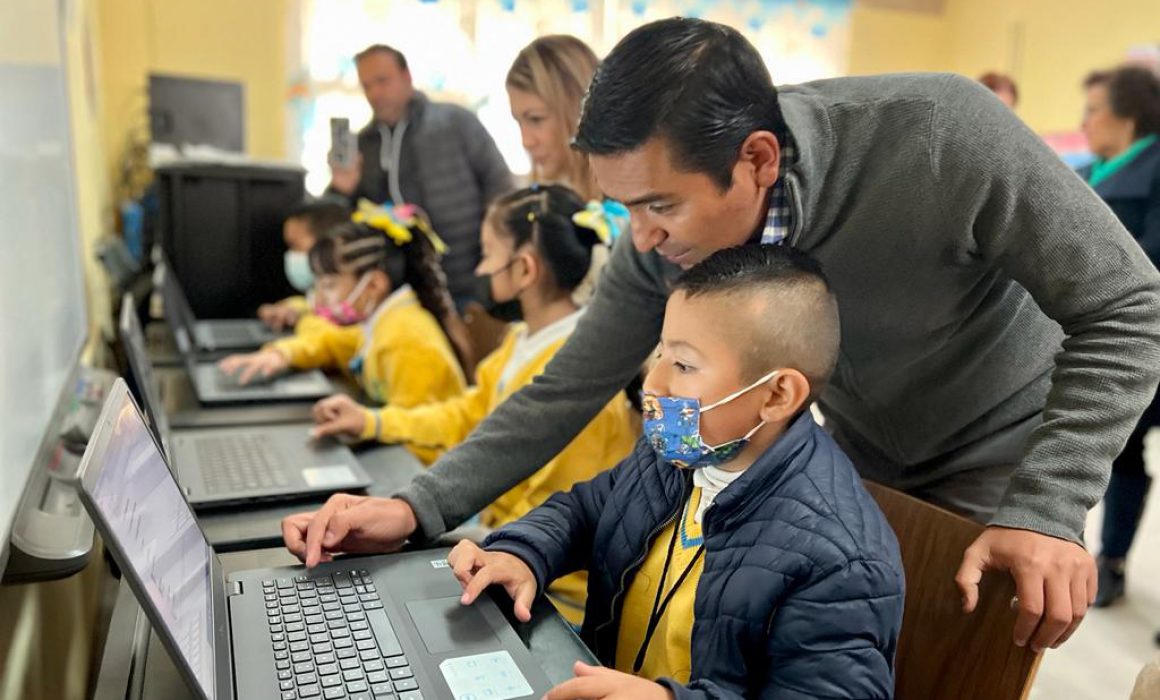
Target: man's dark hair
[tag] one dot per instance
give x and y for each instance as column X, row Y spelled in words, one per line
column 1133, row 93
column 700, row 86
column 321, row 215
column 780, row 300
column 382, row 48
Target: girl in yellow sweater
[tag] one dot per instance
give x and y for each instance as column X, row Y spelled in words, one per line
column 384, row 296
column 534, row 256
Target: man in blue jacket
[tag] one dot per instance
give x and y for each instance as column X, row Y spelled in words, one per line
column 735, row 553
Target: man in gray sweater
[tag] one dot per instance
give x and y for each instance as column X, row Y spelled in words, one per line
column 433, row 154
column 1000, row 329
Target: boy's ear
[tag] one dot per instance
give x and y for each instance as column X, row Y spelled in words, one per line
column 791, row 393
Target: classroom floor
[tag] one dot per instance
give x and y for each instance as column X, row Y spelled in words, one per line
column 1101, row 660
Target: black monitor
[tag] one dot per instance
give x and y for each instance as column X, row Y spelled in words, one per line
column 195, row 111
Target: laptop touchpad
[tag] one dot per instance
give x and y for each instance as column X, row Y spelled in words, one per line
column 445, row 625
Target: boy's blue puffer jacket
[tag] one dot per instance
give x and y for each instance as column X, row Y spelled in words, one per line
column 802, row 591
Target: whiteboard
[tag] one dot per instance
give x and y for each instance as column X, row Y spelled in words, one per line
column 42, row 303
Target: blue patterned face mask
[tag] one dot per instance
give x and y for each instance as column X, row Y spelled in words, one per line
column 672, row 425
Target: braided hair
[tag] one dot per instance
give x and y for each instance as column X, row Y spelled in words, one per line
column 359, row 248
column 542, row 215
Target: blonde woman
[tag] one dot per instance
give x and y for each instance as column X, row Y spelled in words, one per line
column 545, row 86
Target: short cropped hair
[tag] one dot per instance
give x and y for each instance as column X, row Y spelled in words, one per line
column 795, row 319
column 382, row 48
column 1133, row 93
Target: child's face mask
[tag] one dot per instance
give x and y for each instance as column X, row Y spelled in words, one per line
column 297, row 267
column 345, row 313
column 672, row 425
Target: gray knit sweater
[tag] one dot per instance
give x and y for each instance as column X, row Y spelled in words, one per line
column 980, row 283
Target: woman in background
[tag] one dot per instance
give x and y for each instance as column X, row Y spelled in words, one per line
column 1122, row 125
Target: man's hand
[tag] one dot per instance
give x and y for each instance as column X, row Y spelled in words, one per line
column 1055, row 581
column 596, row 683
column 477, row 569
column 348, row 524
column 338, row 415
column 346, row 179
column 278, row 316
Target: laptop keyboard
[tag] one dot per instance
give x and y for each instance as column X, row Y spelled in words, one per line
column 332, row 640
column 231, row 463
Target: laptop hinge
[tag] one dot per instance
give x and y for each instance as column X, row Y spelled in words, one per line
column 235, row 589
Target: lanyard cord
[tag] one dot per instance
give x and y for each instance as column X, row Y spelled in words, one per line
column 659, row 606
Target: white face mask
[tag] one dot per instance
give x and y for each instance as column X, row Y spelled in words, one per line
column 296, row 264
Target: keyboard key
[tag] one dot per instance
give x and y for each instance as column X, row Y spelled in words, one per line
column 382, row 691
column 278, row 637
column 289, row 695
column 295, row 627
column 335, row 693
column 300, row 656
column 378, row 677
column 333, row 615
column 282, row 664
column 368, row 597
column 339, row 633
column 276, row 629
column 357, row 687
column 411, row 695
column 299, row 645
column 342, row 580
column 283, row 583
column 362, row 634
column 292, row 618
column 373, row 665
column 323, row 658
column 316, row 628
column 334, row 681
column 405, row 685
column 344, row 643
column 346, row 652
column 347, row 664
column 307, row 679
column 336, row 623
column 397, row 662
column 285, row 685
column 357, row 625
column 306, row 667
column 373, row 605
column 320, row 638
column 327, row 669
column 361, row 645
column 281, row 655
column 356, row 616
column 354, row 674
column 309, row 691
column 314, row 619
column 360, row 696
column 279, row 646
column 285, row 675
column 398, row 674
column 384, row 633
column 320, row 649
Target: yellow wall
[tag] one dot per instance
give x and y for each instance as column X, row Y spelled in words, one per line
column 243, row 40
column 1048, row 46
column 894, row 41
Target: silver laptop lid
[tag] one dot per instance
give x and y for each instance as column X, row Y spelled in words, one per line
column 151, row 532
column 133, row 340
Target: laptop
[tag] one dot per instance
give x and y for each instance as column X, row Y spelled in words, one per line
column 215, row 387
column 216, row 335
column 387, row 626
column 219, row 467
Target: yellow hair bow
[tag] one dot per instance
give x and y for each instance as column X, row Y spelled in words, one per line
column 397, row 222
column 606, row 219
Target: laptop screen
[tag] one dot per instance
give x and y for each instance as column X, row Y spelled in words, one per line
column 151, row 524
column 133, row 339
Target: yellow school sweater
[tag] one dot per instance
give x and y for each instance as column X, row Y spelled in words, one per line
column 308, row 321
column 668, row 654
column 406, row 358
column 603, row 442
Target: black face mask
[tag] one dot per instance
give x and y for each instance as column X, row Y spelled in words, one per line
column 506, row 311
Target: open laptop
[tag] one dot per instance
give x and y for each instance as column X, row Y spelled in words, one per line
column 215, row 387
column 371, row 628
column 211, row 335
column 225, row 466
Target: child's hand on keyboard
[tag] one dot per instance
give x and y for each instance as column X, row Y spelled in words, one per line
column 477, row 569
column 337, row 416
column 263, row 364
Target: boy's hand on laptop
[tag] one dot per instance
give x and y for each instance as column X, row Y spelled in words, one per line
column 348, row 524
column 1055, row 582
column 263, row 364
column 338, row 415
column 597, row 682
column 477, row 569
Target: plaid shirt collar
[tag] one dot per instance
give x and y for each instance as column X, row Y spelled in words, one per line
column 779, row 219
